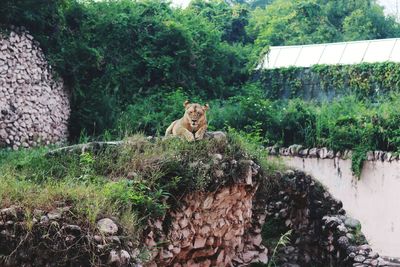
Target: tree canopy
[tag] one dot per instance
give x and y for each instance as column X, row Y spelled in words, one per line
column 318, row 21
column 113, row 54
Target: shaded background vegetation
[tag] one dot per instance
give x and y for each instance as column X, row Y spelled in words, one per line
column 129, row 65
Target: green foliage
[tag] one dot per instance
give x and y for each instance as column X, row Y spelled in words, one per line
column 138, row 180
column 283, row 241
column 230, row 20
column 272, row 230
column 346, row 123
column 276, row 122
column 131, row 64
column 250, row 112
column 111, row 53
column 124, row 58
column 318, row 21
column 291, row 22
column 152, row 114
column 128, row 194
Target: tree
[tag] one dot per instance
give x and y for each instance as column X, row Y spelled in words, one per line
column 366, row 24
column 318, row 21
column 231, row 20
column 290, row 22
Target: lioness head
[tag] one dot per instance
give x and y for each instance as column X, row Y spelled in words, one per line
column 195, row 114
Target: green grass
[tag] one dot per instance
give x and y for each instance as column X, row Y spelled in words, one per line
column 140, row 179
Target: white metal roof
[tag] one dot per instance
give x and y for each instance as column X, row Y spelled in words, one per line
column 370, row 51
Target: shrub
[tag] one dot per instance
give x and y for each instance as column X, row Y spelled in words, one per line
column 112, row 54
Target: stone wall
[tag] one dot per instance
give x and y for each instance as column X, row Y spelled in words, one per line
column 211, row 228
column 321, row 232
column 34, row 106
column 372, row 198
column 236, row 221
column 231, row 227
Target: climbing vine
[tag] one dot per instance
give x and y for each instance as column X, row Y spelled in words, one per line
column 365, row 80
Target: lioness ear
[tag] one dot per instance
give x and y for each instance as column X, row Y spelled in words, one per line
column 186, row 104
column 206, row 107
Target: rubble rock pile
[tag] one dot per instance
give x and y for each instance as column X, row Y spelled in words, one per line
column 34, row 106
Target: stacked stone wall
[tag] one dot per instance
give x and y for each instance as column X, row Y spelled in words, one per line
column 34, row 106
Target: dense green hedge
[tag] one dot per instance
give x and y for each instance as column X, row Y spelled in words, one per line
column 327, row 81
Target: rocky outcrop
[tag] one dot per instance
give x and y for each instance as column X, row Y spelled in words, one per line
column 235, row 221
column 211, row 228
column 34, row 106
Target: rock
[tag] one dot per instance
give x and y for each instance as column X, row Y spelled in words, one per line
column 359, row 258
column 219, row 173
column 353, row 223
column 373, row 255
column 374, row 262
column 263, row 258
column 125, row 257
column 32, row 102
column 323, row 153
column 98, row 239
column 347, row 154
column 382, row 262
column 350, row 236
column 10, row 212
column 199, row 242
column 208, row 202
column 215, row 135
column 113, row 239
column 44, row 219
column 367, row 262
column 273, row 150
column 183, row 223
column 365, row 247
column 342, row 229
column 330, row 154
column 248, row 256
column 107, row 226
column 217, row 157
column 114, row 258
column 294, row 149
column 166, row 254
column 378, row 155
column 313, row 153
column 303, row 152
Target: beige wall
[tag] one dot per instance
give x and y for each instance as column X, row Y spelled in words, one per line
column 374, row 199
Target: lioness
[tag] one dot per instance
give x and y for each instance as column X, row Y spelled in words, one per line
column 193, row 125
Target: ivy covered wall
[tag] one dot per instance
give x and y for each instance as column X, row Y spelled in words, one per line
column 327, row 81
